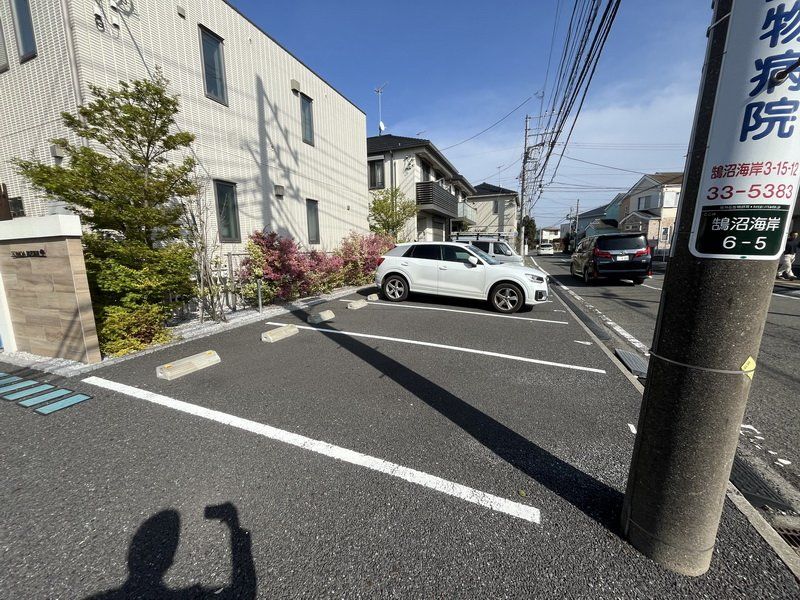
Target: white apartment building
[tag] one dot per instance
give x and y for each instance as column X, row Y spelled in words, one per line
column 421, row 172
column 278, row 146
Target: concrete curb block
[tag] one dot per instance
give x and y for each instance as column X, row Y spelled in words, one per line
column 372, row 297
column 279, row 333
column 356, row 304
column 322, row 317
column 190, row 364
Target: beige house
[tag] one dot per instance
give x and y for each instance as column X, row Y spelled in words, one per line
column 651, row 206
column 498, row 209
column 421, row 172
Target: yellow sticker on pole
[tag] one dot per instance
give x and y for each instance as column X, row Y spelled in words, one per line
column 749, row 366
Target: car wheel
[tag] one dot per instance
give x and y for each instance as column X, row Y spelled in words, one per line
column 638, row 280
column 506, row 298
column 395, row 288
column 587, row 278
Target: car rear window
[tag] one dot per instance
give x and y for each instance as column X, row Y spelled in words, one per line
column 628, row 242
column 547, row 245
column 397, row 251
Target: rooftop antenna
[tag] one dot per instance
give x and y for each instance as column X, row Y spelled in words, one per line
column 379, row 92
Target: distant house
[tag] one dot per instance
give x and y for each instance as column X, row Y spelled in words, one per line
column 650, row 206
column 418, row 169
column 609, row 220
column 497, row 209
column 548, row 234
column 586, row 218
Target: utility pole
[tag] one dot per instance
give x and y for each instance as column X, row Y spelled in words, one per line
column 731, row 228
column 577, row 220
column 520, row 226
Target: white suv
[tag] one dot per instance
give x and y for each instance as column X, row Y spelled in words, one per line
column 453, row 269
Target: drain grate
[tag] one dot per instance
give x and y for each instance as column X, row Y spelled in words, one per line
column 636, row 363
column 752, row 487
column 791, row 535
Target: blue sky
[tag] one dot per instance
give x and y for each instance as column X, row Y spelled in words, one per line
column 454, row 68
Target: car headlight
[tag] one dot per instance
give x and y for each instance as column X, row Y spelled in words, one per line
column 534, row 278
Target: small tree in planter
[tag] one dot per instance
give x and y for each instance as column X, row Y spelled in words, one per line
column 127, row 190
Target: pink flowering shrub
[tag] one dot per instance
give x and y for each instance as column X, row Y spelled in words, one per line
column 361, row 254
column 287, row 273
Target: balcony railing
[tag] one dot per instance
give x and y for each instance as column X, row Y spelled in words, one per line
column 434, row 198
column 467, row 213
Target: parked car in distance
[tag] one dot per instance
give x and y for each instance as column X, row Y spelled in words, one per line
column 461, row 271
column 544, row 249
column 613, row 256
column 498, row 249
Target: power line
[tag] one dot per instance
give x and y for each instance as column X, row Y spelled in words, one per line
column 523, row 103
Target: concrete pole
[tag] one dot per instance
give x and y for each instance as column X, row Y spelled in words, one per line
column 714, row 302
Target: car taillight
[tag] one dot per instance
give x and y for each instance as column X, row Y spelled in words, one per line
column 644, row 252
column 380, row 261
column 601, row 253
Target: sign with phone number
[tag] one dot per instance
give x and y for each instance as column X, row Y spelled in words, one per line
column 750, row 176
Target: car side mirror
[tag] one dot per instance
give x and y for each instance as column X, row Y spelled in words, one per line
column 473, row 261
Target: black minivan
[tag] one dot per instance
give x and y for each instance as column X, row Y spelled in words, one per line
column 613, row 256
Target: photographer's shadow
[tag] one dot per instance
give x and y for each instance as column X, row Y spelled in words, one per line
column 152, row 552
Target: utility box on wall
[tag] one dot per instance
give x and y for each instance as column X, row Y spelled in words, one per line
column 45, row 307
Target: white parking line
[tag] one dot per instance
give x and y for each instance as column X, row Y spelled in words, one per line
column 651, row 287
column 515, row 509
column 786, row 295
column 446, row 347
column 466, row 312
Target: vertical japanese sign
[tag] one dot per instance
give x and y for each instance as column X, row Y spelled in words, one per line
column 752, row 166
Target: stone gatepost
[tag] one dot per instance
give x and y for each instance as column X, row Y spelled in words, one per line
column 45, row 307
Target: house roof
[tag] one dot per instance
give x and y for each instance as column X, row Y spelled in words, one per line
column 383, row 143
column 378, row 144
column 667, row 178
column 487, row 189
column 645, row 215
column 594, row 212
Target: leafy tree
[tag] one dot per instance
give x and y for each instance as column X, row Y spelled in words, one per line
column 122, row 182
column 529, row 223
column 389, row 211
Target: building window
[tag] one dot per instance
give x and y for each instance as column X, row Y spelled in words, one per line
column 649, row 201
column 376, row 174
column 227, row 212
column 213, row 66
column 312, row 216
column 426, row 171
column 17, row 208
column 496, row 207
column 665, row 234
column 3, row 52
column 23, row 25
column 307, row 119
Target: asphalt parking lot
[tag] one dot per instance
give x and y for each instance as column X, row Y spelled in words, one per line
column 427, row 449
